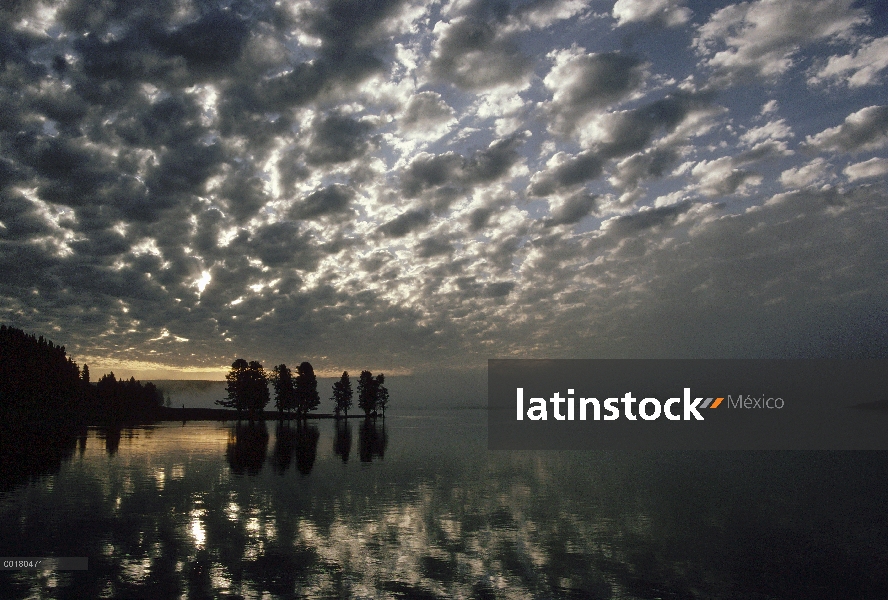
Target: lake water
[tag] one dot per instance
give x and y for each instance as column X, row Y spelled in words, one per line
column 418, row 508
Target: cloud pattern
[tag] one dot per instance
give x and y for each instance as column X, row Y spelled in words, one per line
column 402, row 185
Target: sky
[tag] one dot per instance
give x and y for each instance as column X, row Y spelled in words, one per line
column 415, row 187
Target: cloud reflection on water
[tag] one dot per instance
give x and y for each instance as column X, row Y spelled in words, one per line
column 194, row 511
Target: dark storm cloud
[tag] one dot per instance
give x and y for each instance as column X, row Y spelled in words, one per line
column 350, row 29
column 67, row 171
column 630, row 131
column 329, row 200
column 181, row 174
column 214, row 40
column 470, row 287
column 499, row 290
column 172, row 121
column 208, row 227
column 479, row 218
column 431, row 171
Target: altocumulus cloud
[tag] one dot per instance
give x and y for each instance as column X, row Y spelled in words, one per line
column 398, row 184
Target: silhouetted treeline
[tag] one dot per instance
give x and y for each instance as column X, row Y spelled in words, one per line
column 248, row 391
column 40, row 383
column 119, row 400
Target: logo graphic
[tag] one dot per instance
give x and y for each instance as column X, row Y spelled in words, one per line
column 649, row 409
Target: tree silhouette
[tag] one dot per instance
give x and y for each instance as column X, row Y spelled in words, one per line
column 372, row 440
column 247, row 388
column 307, row 398
column 382, row 394
column 342, row 440
column 284, row 388
column 236, row 387
column 247, row 447
column 342, row 395
column 284, row 447
column 367, row 396
column 307, row 437
column 257, row 396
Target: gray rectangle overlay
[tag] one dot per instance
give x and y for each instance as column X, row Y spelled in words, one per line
column 823, row 404
column 44, row 563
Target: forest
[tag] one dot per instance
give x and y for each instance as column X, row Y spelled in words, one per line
column 40, row 383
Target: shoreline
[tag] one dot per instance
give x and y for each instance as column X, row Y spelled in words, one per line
column 226, row 414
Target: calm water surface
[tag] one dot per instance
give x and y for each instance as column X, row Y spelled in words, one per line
column 418, row 508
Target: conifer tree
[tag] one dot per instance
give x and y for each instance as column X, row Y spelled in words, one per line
column 342, row 394
column 382, row 394
column 236, row 387
column 367, row 393
column 307, row 397
column 284, row 388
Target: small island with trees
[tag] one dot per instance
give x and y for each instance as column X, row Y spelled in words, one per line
column 297, row 395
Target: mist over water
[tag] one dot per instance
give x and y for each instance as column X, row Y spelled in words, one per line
column 416, row 507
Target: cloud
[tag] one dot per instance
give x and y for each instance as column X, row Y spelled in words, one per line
column 406, row 223
column 427, row 116
column 815, row 172
column 543, row 13
column 429, row 171
column 566, row 171
column 631, row 171
column 434, row 246
column 330, row 200
column 583, row 83
column 866, row 129
column 719, row 177
column 645, row 219
column 616, row 135
column 429, row 179
column 861, row 67
column 760, row 39
column 667, row 12
column 874, row 167
column 774, row 130
column 571, row 209
column 478, row 51
column 337, row 138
